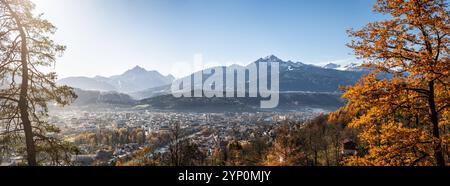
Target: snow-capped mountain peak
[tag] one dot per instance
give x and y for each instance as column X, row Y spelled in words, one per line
column 332, row 66
column 343, row 65
column 136, row 69
column 271, row 58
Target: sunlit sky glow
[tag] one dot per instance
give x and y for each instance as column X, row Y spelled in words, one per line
column 107, row 37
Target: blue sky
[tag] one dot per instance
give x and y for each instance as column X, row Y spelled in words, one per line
column 107, row 37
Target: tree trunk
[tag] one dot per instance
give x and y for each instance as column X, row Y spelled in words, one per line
column 23, row 102
column 440, row 161
column 315, row 157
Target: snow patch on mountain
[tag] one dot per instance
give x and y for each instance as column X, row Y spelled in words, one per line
column 350, row 64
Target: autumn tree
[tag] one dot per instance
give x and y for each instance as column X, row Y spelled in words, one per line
column 287, row 148
column 175, row 147
column 403, row 105
column 315, row 142
column 26, row 49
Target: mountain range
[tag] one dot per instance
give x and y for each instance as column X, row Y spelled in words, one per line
column 301, row 85
column 133, row 80
column 294, row 77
